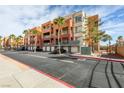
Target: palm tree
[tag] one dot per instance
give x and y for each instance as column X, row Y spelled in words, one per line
column 36, row 33
column 25, row 32
column 108, row 38
column 12, row 40
column 0, row 41
column 60, row 21
column 119, row 39
column 18, row 40
column 0, row 37
column 94, row 35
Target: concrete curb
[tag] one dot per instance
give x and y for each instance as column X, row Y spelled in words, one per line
column 97, row 58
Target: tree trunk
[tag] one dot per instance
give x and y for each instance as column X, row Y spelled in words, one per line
column 10, row 43
column 92, row 46
column 35, row 43
column 17, row 45
column 109, row 46
column 59, row 41
column 25, row 44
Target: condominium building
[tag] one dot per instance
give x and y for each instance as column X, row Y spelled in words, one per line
column 50, row 34
column 73, row 34
column 33, row 40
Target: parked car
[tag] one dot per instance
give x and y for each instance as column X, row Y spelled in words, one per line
column 22, row 48
column 56, row 51
column 39, row 49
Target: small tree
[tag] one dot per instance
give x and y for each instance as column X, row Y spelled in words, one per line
column 108, row 38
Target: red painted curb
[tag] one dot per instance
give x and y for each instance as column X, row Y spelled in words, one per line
column 66, row 84
column 41, row 72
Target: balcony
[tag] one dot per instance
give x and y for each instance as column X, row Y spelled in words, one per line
column 69, row 43
column 46, row 36
column 65, row 35
column 46, row 44
column 46, row 30
column 46, row 39
column 120, row 44
column 53, row 36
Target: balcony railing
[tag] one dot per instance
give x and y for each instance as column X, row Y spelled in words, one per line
column 120, row 44
column 69, row 43
column 47, row 36
column 46, row 30
column 46, row 44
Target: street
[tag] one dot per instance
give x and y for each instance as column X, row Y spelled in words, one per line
column 80, row 73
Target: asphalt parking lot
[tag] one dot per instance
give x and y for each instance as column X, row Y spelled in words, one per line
column 77, row 72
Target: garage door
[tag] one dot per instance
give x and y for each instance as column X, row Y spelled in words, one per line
column 52, row 48
column 74, row 49
column 48, row 48
column 66, row 48
column 44, row 49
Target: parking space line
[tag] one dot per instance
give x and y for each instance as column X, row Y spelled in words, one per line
column 54, row 59
column 37, row 56
column 67, row 61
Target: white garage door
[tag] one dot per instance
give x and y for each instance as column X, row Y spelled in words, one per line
column 66, row 48
column 52, row 48
column 43, row 48
column 74, row 49
column 28, row 48
column 48, row 48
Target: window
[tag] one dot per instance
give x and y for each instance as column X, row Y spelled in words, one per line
column 65, row 41
column 56, row 31
column 96, row 23
column 77, row 38
column 78, row 29
column 65, row 30
column 78, row 19
column 47, row 27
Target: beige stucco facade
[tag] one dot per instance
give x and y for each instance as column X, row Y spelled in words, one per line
column 120, row 50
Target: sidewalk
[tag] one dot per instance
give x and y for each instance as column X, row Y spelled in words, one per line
column 16, row 75
column 79, row 56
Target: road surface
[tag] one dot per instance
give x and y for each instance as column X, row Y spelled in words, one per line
column 77, row 72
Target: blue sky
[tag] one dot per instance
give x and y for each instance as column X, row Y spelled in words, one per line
column 14, row 19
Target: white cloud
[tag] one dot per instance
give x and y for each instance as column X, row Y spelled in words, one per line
column 13, row 18
column 103, row 11
column 112, row 25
